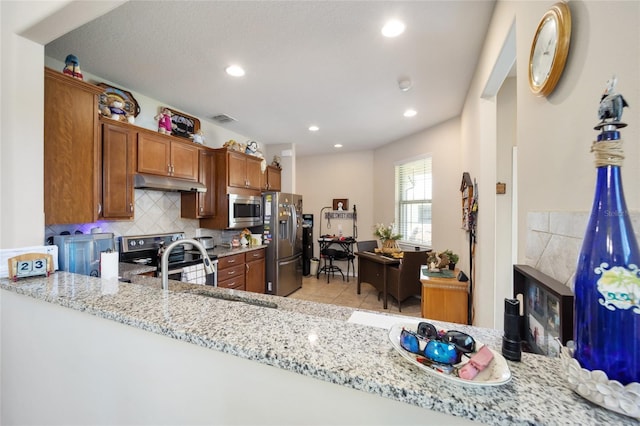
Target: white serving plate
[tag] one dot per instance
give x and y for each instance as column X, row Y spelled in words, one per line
column 497, row 373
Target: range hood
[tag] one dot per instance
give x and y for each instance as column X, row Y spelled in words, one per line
column 164, row 183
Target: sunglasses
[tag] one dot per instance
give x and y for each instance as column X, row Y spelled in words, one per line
column 441, row 352
column 462, row 341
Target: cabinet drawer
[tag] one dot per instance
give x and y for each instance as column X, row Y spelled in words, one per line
column 229, row 261
column 254, row 255
column 234, row 271
column 235, row 281
column 234, row 284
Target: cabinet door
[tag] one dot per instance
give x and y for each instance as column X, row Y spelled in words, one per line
column 118, row 156
column 154, row 154
column 253, row 172
column 72, row 152
column 274, row 179
column 184, row 161
column 201, row 204
column 207, row 200
column 236, row 169
column 255, row 280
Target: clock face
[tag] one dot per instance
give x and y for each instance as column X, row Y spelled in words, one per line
column 549, row 49
column 544, row 51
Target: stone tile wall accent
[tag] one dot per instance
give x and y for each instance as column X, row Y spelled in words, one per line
column 554, row 240
column 155, row 212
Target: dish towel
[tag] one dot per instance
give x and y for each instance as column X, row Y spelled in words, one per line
column 194, row 274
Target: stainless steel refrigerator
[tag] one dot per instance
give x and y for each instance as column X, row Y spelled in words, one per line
column 283, row 236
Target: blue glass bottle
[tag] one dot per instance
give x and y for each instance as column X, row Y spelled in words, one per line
column 607, row 285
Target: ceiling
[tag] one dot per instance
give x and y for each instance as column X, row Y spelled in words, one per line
column 321, row 63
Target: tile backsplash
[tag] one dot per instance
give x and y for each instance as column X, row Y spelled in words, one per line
column 554, row 240
column 155, row 212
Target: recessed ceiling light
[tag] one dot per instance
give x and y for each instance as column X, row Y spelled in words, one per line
column 235, row 70
column 393, row 28
column 338, row 145
column 314, row 128
column 410, row 113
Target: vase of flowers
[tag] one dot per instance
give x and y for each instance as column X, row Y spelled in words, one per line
column 388, row 237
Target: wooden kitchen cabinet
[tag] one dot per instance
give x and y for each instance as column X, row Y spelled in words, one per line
column 201, row 204
column 231, row 271
column 272, row 179
column 243, row 171
column 232, row 170
column 118, row 168
column 243, row 271
column 445, row 299
column 255, row 279
column 164, row 155
column 72, row 150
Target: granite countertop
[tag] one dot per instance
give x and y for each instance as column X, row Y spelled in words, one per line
column 319, row 341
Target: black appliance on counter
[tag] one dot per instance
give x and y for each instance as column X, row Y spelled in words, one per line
column 307, row 243
column 147, row 250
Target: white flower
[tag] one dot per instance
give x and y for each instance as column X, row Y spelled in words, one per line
column 385, row 232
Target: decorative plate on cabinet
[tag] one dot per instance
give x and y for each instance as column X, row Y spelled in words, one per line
column 110, row 93
column 183, row 125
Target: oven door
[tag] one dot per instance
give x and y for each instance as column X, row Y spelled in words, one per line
column 244, row 211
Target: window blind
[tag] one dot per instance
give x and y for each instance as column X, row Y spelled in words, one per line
column 413, row 198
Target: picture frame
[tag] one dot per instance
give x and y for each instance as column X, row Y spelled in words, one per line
column 184, row 125
column 547, row 311
column 341, row 204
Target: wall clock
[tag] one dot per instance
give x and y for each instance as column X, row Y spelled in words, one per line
column 549, row 49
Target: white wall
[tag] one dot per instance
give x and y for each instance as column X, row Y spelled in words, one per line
column 346, row 175
column 506, row 127
column 443, row 143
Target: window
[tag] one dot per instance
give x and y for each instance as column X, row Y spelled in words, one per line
column 413, row 201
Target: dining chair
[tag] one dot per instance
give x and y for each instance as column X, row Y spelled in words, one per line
column 368, row 245
column 330, row 255
column 404, row 281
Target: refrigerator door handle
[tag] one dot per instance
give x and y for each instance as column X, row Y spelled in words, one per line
column 292, row 223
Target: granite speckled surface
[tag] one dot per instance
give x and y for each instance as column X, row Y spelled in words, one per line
column 317, row 340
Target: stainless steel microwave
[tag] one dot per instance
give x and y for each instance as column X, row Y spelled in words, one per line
column 244, row 211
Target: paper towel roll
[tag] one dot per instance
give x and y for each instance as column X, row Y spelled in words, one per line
column 109, row 264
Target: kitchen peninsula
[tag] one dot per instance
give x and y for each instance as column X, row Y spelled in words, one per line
column 111, row 352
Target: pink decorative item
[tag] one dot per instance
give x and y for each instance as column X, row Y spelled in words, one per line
column 478, row 362
column 164, row 122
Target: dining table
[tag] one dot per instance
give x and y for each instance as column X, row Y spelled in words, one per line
column 373, row 268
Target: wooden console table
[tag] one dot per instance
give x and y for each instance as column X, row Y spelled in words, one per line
column 372, row 269
column 444, row 299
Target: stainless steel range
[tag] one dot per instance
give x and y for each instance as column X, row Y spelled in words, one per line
column 184, row 265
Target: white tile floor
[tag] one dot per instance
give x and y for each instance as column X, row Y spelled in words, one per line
column 343, row 293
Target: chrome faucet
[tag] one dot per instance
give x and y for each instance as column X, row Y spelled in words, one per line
column 165, row 259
